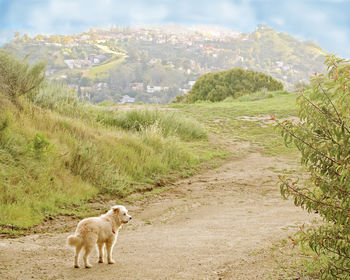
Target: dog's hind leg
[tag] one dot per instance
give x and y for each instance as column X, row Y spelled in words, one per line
column 109, row 246
column 76, row 256
column 87, row 252
column 100, row 252
column 90, row 242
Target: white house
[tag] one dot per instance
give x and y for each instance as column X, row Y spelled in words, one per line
column 191, row 83
column 151, row 89
column 127, row 99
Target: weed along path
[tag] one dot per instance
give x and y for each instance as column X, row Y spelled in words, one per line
column 215, row 225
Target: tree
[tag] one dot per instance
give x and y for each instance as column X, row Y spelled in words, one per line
column 18, row 78
column 26, row 38
column 39, row 37
column 17, row 36
column 323, row 138
column 85, row 82
column 54, row 39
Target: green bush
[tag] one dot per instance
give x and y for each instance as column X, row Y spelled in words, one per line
column 234, row 82
column 323, row 138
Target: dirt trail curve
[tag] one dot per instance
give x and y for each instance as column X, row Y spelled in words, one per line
column 206, row 228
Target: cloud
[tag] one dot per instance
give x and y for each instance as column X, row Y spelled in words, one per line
column 54, row 14
column 240, row 14
column 277, row 20
column 324, row 25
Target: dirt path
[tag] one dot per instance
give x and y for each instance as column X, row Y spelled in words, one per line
column 206, row 228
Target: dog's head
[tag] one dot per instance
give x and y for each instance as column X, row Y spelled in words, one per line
column 121, row 213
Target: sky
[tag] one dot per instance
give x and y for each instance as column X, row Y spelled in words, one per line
column 326, row 22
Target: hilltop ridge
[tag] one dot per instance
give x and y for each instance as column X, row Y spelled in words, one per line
column 154, row 64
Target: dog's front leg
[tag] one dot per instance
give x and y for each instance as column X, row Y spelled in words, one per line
column 100, row 252
column 109, row 246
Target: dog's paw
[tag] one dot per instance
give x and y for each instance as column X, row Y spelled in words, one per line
column 100, row 261
column 76, row 266
column 88, row 265
column 111, row 261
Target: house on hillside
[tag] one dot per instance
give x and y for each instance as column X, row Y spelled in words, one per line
column 69, row 63
column 136, row 86
column 152, row 89
column 96, row 58
column 191, row 83
column 100, row 86
column 84, row 37
column 77, row 63
column 127, row 99
column 86, row 89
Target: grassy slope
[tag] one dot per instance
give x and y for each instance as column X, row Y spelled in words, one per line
column 50, row 162
column 101, row 71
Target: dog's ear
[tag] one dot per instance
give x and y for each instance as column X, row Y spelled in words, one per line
column 115, row 209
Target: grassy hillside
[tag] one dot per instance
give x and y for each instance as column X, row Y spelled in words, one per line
column 56, row 153
column 101, row 71
column 49, row 160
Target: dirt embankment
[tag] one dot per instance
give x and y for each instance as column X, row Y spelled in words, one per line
column 209, row 227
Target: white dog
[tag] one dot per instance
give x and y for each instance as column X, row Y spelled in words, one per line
column 98, row 230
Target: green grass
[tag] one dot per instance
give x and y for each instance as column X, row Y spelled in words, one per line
column 165, row 123
column 225, row 118
column 32, row 181
column 101, row 71
column 49, row 161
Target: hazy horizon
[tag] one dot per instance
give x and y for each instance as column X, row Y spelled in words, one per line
column 324, row 22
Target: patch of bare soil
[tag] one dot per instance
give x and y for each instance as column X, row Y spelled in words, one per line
column 266, row 120
column 207, row 227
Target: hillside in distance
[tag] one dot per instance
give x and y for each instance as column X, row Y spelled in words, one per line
column 154, row 64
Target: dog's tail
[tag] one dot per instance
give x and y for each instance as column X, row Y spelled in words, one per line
column 74, row 240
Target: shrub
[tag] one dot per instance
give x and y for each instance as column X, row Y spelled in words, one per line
column 323, row 138
column 39, row 145
column 19, row 78
column 234, row 82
